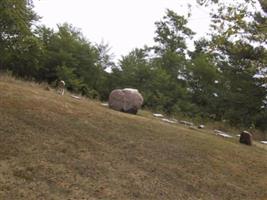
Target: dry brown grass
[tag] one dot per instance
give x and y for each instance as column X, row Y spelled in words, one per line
column 57, row 147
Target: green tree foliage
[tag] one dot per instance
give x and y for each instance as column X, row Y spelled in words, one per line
column 25, row 58
column 69, row 56
column 171, row 33
column 16, row 18
column 159, row 72
column 204, row 82
column 171, row 51
column 238, row 46
column 19, row 47
column 136, row 71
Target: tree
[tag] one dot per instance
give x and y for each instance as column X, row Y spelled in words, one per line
column 238, row 46
column 172, row 33
column 105, row 57
column 16, row 38
column 263, row 3
column 68, row 55
column 171, row 52
column 204, row 81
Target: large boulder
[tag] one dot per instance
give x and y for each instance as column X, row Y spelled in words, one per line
column 245, row 138
column 126, row 100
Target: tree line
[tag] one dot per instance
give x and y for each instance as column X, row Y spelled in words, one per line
column 223, row 78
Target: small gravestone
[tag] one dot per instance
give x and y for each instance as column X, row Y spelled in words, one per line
column 201, row 126
column 245, row 138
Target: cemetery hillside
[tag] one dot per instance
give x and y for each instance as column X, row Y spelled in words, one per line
column 60, row 147
column 222, row 80
column 183, row 120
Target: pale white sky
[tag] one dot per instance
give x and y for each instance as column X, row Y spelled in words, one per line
column 123, row 24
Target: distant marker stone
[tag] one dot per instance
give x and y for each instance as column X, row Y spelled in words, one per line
column 201, row 126
column 245, row 138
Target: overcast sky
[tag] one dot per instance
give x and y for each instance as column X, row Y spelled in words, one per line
column 123, row 24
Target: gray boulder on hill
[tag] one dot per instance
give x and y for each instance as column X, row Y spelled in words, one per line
column 126, row 100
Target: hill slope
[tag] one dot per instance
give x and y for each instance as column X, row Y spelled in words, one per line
column 57, row 147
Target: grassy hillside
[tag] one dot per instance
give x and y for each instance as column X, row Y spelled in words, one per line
column 58, row 147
